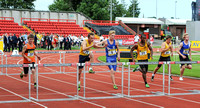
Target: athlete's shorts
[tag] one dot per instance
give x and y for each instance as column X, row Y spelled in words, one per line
column 26, row 68
column 164, row 59
column 186, row 59
column 143, row 67
column 111, row 60
column 83, row 59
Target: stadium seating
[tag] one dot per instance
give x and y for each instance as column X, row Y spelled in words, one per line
column 9, row 26
column 62, row 28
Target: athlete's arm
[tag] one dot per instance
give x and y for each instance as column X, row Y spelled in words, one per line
column 23, row 53
column 84, row 46
column 36, row 55
column 171, row 49
column 163, row 48
column 98, row 45
column 151, row 49
column 190, row 53
column 118, row 52
column 132, row 49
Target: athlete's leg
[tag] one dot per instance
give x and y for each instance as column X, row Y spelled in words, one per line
column 182, row 70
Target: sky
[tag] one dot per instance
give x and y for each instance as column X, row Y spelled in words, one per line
column 165, row 8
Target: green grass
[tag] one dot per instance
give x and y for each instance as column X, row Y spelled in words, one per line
column 194, row 72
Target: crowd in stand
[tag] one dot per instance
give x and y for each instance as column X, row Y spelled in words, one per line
column 41, row 40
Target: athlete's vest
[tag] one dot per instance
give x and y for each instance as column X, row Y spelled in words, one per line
column 142, row 52
column 111, row 49
column 185, row 48
column 86, row 52
column 29, row 53
column 168, row 52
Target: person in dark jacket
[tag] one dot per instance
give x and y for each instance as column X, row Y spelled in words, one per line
column 10, row 41
column 20, row 41
column 35, row 40
column 5, row 41
column 14, row 42
column 66, row 42
column 49, row 42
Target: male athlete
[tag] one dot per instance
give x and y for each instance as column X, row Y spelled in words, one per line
column 184, row 50
column 86, row 54
column 112, row 54
column 29, row 54
column 142, row 56
column 166, row 51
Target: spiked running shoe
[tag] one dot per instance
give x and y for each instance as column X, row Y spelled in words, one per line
column 152, row 78
column 171, row 78
column 115, row 87
column 21, row 75
column 147, row 85
column 136, row 68
column 91, row 71
column 79, row 87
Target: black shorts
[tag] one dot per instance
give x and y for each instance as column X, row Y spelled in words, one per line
column 143, row 67
column 148, row 54
column 186, row 59
column 26, row 68
column 83, row 59
column 165, row 59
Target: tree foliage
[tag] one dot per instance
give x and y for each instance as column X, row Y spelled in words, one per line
column 17, row 4
column 130, row 9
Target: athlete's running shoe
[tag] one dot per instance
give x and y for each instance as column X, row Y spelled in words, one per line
column 152, row 78
column 115, row 87
column 21, row 75
column 35, row 86
column 136, row 68
column 91, row 71
column 171, row 78
column 147, row 85
column 79, row 87
column 181, row 78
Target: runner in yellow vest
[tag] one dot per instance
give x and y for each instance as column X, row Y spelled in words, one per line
column 142, row 49
column 166, row 51
column 86, row 54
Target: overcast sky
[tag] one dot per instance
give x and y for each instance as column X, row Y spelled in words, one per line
column 165, row 8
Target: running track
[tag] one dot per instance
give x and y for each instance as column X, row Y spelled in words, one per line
column 97, row 85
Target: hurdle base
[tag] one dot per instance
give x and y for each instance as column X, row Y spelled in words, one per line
column 194, row 91
column 62, row 99
column 159, row 93
column 135, row 96
column 91, row 98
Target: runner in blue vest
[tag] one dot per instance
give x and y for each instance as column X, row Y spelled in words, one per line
column 112, row 53
column 184, row 50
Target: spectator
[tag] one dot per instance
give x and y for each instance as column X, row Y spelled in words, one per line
column 136, row 38
column 9, row 42
column 61, row 39
column 6, row 42
column 20, row 42
column 66, row 42
column 14, row 42
column 151, row 40
column 49, row 42
column 35, row 41
column 69, row 42
column 25, row 38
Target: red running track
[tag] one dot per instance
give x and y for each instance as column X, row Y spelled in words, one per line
column 56, row 86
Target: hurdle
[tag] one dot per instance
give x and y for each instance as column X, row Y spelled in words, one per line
column 70, row 97
column 23, row 99
column 158, row 93
column 190, row 92
column 111, row 95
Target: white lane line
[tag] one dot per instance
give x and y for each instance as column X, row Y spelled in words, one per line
column 184, row 99
column 22, row 97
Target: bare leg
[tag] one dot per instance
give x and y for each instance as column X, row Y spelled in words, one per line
column 156, row 69
column 182, row 70
column 80, row 71
column 34, row 75
column 112, row 74
column 91, row 56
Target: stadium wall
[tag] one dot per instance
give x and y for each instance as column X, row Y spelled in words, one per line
column 192, row 28
column 18, row 14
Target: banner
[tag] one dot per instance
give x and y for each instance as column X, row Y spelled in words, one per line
column 195, row 44
column 1, row 43
column 128, row 42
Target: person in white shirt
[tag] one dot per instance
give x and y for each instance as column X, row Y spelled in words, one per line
column 136, row 38
column 61, row 38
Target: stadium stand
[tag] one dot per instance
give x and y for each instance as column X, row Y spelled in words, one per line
column 7, row 25
column 58, row 26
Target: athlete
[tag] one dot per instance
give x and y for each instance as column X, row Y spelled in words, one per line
column 166, row 51
column 142, row 56
column 112, row 54
column 86, row 54
column 29, row 54
column 184, row 50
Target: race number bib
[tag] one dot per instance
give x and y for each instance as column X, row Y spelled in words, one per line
column 86, row 52
column 30, row 53
column 142, row 53
column 167, row 52
column 185, row 51
column 112, row 52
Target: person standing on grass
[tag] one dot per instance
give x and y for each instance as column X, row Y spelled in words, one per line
column 29, row 54
column 166, row 51
column 86, row 54
column 112, row 54
column 184, row 50
column 142, row 49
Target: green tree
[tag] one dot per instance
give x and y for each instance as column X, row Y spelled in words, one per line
column 118, row 10
column 61, row 5
column 17, row 4
column 95, row 9
column 130, row 9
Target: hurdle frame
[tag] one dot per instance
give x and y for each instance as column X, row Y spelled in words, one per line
column 118, row 95
column 153, row 93
column 75, row 97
